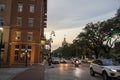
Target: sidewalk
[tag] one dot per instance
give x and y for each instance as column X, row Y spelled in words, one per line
column 9, row 73
column 34, row 73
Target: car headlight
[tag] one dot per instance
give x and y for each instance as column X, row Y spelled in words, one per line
column 113, row 70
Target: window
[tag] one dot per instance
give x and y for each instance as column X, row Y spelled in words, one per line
column 16, row 56
column 16, row 46
column 107, row 62
column 20, row 7
column 18, row 36
column 2, row 7
column 99, row 62
column 19, row 21
column 32, row 8
column 30, row 22
column 23, row 46
column 1, row 21
column 30, row 35
column 29, row 47
column 2, row 46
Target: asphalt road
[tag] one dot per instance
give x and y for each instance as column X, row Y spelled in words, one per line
column 69, row 72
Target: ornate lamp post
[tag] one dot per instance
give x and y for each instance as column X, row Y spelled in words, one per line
column 1, row 37
column 48, row 43
column 51, row 40
column 42, row 43
column 26, row 57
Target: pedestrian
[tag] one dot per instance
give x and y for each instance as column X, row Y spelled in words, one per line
column 49, row 61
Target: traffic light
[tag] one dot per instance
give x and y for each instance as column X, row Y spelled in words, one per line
column 110, row 36
column 59, row 55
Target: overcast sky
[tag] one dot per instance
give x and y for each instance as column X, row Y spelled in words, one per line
column 67, row 17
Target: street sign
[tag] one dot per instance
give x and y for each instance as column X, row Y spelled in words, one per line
column 113, row 32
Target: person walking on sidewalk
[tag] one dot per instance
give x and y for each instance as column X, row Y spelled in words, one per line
column 49, row 61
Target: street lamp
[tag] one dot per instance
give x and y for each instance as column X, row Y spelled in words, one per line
column 1, row 37
column 51, row 40
column 42, row 43
column 26, row 62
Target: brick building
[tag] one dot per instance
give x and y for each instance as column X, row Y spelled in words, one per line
column 26, row 20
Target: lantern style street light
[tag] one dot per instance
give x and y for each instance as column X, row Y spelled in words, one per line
column 42, row 43
column 46, row 44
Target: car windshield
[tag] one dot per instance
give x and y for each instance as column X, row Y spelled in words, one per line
column 107, row 62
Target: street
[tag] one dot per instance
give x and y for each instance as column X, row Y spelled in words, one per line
column 69, row 72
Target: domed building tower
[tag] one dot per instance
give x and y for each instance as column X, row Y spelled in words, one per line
column 64, row 42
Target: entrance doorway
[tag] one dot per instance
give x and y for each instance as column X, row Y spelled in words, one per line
column 20, row 54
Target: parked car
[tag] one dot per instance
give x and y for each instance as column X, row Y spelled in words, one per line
column 106, row 68
column 63, row 60
column 87, row 60
column 55, row 60
column 90, row 61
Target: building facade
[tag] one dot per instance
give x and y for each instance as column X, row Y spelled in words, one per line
column 5, row 14
column 26, row 29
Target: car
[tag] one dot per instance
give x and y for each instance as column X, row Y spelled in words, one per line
column 90, row 61
column 63, row 60
column 55, row 60
column 106, row 68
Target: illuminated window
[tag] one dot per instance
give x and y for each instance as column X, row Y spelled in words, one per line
column 32, row 8
column 30, row 35
column 2, row 7
column 20, row 7
column 18, row 35
column 19, row 21
column 31, row 22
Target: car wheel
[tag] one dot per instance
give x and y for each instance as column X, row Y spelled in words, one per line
column 105, row 76
column 92, row 73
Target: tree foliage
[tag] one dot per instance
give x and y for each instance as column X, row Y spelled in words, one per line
column 98, row 38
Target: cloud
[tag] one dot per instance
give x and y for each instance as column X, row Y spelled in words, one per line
column 65, row 13
column 68, row 17
column 78, row 22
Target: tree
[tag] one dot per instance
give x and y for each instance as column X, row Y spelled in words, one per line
column 112, row 29
column 94, row 39
column 101, row 36
column 97, row 37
